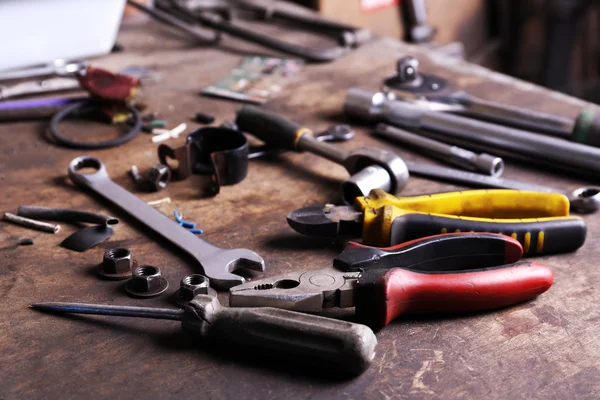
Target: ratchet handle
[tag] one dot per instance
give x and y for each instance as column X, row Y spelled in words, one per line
column 336, row 344
column 538, row 236
column 519, row 117
column 380, row 298
column 271, row 128
column 450, row 252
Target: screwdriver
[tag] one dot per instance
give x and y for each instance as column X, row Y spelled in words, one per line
column 335, row 344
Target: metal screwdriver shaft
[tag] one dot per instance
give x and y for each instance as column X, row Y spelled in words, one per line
column 116, row 311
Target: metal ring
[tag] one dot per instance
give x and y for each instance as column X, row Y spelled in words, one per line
column 585, row 199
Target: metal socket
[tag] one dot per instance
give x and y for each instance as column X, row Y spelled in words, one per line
column 116, row 264
column 191, row 286
column 146, row 281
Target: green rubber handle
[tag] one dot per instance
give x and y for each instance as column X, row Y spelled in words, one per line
column 587, row 128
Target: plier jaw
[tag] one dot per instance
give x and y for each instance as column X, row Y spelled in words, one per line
column 327, row 221
column 308, row 291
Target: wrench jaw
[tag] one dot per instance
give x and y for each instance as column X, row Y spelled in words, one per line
column 220, row 268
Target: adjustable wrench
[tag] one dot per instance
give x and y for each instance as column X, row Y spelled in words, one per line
column 216, row 263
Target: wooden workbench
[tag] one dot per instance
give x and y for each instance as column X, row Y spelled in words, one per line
column 547, row 348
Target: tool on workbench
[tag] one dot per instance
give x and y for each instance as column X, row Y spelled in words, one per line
column 407, row 84
column 337, row 345
column 483, row 163
column 370, row 167
column 82, row 239
column 444, row 273
column 38, row 87
column 218, row 16
column 377, row 107
column 217, row 263
column 58, row 67
column 539, row 221
column 582, row 200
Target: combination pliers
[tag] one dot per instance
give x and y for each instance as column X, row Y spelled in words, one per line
column 539, row 221
column 456, row 272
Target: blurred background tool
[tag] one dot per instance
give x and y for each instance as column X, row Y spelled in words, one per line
column 408, row 83
column 218, row 15
column 377, row 107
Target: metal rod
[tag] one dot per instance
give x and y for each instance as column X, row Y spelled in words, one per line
column 31, row 223
column 118, row 311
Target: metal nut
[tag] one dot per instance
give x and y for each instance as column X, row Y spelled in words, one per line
column 191, row 286
column 158, row 177
column 116, row 264
column 146, row 281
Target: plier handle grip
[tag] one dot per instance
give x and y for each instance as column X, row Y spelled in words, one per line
column 539, row 221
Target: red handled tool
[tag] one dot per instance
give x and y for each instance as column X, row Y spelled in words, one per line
column 457, row 272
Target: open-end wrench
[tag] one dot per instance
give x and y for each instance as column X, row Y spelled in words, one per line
column 217, row 263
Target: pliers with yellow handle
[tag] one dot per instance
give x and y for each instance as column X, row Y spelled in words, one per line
column 539, row 221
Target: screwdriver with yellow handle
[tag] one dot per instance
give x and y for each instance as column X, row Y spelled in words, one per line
column 539, row 221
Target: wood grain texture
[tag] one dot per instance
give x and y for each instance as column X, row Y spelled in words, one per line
column 544, row 349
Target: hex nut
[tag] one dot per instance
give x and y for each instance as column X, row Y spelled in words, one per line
column 146, row 281
column 191, row 286
column 159, row 176
column 116, row 264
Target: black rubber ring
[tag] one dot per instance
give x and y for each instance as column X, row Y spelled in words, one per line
column 59, row 138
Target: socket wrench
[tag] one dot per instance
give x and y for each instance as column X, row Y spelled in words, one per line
column 217, row 263
column 376, row 107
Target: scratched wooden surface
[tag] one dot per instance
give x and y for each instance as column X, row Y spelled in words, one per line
column 547, row 348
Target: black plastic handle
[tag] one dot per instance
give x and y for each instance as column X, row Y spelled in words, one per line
column 540, row 236
column 271, row 128
column 449, row 252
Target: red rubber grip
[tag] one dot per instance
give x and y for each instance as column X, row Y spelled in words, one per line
column 399, row 291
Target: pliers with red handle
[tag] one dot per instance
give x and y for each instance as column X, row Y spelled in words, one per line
column 456, row 272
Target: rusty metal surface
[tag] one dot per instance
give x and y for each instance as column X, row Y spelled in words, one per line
column 548, row 348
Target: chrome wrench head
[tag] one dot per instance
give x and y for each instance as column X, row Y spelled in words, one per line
column 585, row 200
column 218, row 264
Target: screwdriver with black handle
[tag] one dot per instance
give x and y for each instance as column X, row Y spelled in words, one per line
column 343, row 346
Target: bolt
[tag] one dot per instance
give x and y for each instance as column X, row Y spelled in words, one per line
column 191, row 286
column 116, row 264
column 158, row 177
column 146, row 281
column 407, row 69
